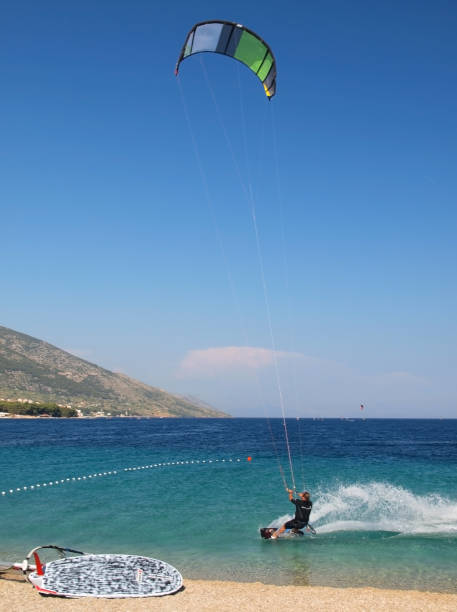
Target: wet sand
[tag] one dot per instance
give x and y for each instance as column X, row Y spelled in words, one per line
column 205, row 596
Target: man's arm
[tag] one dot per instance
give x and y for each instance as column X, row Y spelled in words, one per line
column 291, row 495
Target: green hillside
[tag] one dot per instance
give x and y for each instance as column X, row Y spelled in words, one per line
column 35, row 370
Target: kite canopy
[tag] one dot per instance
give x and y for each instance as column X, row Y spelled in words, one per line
column 236, row 41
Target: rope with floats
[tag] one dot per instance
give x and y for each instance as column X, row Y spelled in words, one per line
column 53, row 483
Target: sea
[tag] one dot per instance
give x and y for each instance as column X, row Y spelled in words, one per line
column 185, row 491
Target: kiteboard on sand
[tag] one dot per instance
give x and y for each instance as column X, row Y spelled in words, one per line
column 267, row 532
column 110, row 576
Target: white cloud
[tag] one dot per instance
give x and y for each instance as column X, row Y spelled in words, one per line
column 211, row 362
column 241, row 380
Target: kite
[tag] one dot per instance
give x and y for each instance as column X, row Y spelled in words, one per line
column 233, row 40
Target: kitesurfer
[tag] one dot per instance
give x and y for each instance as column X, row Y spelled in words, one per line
column 303, row 506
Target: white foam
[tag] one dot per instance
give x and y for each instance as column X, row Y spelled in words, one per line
column 379, row 506
column 280, row 521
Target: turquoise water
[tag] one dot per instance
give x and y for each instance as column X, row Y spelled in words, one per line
column 384, row 491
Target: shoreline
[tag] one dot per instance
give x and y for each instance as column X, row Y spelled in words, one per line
column 201, row 595
column 89, row 417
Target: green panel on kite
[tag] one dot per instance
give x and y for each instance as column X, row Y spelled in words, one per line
column 250, row 51
column 262, row 74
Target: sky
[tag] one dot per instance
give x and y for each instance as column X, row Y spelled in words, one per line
column 127, row 235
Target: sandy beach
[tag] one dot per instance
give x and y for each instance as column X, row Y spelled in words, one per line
column 199, row 595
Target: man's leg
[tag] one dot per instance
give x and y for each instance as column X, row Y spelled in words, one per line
column 280, row 531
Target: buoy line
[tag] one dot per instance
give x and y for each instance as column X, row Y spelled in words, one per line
column 53, row 483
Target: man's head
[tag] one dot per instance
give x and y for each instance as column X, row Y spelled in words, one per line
column 304, row 496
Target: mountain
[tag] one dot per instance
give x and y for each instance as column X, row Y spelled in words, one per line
column 35, row 370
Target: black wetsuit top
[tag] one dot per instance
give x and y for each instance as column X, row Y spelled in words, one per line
column 302, row 509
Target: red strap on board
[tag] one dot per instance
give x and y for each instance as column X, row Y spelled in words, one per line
column 39, row 566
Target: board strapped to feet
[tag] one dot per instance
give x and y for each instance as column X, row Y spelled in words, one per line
column 267, row 532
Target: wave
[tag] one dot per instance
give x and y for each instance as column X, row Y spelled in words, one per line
column 378, row 506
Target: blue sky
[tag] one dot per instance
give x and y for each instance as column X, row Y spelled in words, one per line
column 108, row 246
